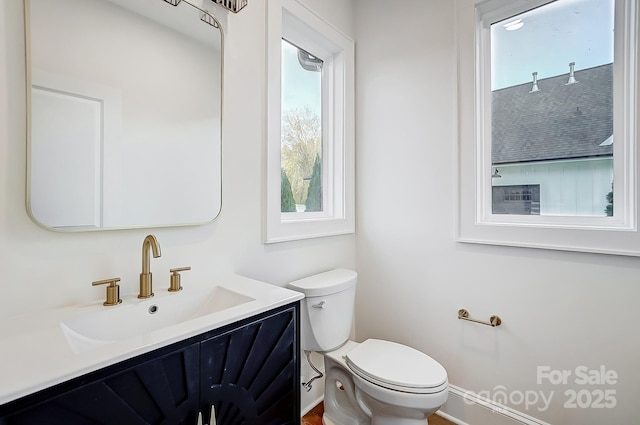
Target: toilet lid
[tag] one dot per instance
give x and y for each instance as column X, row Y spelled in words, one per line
column 396, row 366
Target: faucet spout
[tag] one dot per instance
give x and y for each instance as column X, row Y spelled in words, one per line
column 149, row 245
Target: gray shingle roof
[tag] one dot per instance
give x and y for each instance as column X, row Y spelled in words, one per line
column 558, row 122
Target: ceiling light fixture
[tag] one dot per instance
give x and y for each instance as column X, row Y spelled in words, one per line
column 232, row 5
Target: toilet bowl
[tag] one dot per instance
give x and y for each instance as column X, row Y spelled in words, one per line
column 374, row 382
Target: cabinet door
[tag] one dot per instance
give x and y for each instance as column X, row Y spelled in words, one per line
column 160, row 391
column 250, row 374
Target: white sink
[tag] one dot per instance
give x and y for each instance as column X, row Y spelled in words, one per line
column 80, row 339
column 95, row 328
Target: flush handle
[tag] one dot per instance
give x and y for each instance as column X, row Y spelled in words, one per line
column 321, row 304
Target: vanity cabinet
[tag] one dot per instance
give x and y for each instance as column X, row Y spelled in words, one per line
column 163, row 390
column 248, row 372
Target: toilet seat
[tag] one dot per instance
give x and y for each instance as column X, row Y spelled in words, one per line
column 397, row 367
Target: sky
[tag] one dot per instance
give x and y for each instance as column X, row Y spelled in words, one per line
column 300, row 87
column 552, row 36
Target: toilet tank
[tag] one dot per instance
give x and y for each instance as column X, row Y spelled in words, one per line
column 327, row 309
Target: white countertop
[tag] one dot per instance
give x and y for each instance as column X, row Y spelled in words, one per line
column 35, row 354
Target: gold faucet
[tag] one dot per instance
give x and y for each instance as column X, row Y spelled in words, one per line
column 146, row 282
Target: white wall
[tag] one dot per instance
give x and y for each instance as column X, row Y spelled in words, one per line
column 43, row 269
column 558, row 309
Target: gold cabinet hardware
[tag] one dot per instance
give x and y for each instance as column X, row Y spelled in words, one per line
column 175, row 278
column 113, row 290
column 493, row 320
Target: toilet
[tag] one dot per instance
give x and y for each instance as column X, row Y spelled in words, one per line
column 373, row 382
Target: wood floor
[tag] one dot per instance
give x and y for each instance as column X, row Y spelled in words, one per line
column 314, row 417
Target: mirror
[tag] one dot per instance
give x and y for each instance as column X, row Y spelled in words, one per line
column 124, row 107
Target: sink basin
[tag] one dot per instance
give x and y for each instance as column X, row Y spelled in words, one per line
column 95, row 328
column 47, row 347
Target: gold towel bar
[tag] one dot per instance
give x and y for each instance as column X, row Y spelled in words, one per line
column 493, row 320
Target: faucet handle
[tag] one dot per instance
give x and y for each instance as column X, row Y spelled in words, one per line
column 113, row 290
column 175, row 278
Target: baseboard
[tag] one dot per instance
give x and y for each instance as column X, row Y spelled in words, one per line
column 466, row 408
column 450, row 418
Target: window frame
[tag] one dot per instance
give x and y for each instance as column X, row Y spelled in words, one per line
column 476, row 222
column 293, row 21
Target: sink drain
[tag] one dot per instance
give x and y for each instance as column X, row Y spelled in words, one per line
column 153, row 309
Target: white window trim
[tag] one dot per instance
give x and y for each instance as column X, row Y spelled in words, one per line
column 295, row 22
column 475, row 222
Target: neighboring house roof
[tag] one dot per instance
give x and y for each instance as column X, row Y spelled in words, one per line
column 559, row 121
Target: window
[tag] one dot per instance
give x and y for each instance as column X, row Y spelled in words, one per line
column 301, row 145
column 551, row 103
column 552, row 126
column 310, row 171
column 518, row 199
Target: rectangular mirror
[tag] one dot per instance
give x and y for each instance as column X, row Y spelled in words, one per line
column 124, row 114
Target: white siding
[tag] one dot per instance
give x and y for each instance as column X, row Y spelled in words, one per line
column 573, row 188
